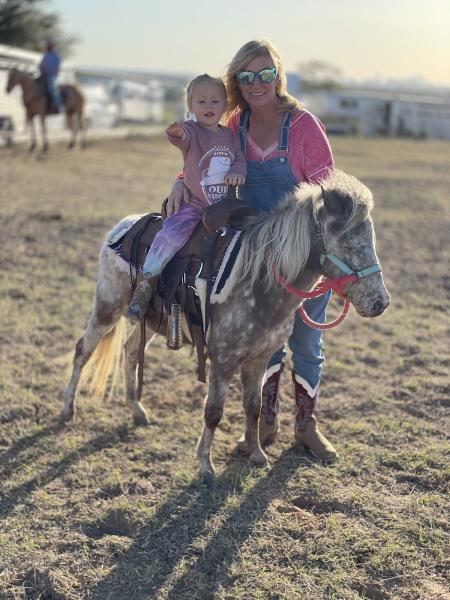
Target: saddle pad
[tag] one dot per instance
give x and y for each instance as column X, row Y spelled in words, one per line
column 131, row 237
column 225, row 279
column 118, row 231
column 228, row 271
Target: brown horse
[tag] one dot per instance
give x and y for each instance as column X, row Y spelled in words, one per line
column 35, row 100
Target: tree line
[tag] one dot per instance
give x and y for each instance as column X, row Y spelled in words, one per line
column 28, row 24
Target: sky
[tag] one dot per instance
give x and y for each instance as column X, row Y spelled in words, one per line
column 366, row 39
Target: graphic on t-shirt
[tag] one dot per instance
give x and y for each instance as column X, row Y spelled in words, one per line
column 214, row 165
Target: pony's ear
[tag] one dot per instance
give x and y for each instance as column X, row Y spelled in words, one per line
column 336, row 204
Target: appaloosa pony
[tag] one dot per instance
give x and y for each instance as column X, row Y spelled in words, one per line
column 34, row 96
column 313, row 233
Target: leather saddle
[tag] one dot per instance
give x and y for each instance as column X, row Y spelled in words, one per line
column 201, row 256
column 51, row 108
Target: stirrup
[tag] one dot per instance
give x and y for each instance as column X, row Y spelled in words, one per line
column 174, row 336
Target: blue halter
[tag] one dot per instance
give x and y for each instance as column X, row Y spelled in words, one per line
column 376, row 268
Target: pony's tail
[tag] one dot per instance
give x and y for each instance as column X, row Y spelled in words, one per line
column 105, row 362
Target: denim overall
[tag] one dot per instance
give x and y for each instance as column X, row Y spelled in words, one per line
column 265, row 185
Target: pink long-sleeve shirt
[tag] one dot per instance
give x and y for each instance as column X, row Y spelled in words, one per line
column 309, row 154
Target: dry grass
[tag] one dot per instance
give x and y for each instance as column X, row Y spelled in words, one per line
column 101, row 509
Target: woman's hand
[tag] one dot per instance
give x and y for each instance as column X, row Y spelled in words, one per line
column 179, row 193
column 176, row 130
column 234, row 179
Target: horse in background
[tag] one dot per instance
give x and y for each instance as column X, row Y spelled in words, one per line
column 37, row 103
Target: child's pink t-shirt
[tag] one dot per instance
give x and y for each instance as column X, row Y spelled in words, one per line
column 309, row 153
column 208, row 157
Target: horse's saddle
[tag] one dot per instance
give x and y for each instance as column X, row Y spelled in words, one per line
column 51, row 108
column 201, row 256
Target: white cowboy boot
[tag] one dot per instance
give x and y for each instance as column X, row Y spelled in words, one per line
column 268, row 421
column 307, row 433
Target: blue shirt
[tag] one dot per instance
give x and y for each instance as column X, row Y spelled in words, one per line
column 50, row 63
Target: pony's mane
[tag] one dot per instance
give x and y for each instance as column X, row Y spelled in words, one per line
column 281, row 240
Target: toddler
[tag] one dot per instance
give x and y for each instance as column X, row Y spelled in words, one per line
column 213, row 160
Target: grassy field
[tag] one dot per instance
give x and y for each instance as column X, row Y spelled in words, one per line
column 99, row 509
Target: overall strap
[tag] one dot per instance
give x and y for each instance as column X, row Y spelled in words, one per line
column 283, row 144
column 242, row 130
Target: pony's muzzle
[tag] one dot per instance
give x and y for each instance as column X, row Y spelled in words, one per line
column 369, row 298
column 380, row 306
column 372, row 308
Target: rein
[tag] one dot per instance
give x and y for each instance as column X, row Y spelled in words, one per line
column 336, row 284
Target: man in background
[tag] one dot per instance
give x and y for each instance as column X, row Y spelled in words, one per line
column 49, row 68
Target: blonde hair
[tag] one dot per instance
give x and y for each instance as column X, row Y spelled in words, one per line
column 243, row 57
column 203, row 79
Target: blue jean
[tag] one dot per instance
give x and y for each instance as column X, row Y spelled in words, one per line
column 54, row 92
column 305, row 344
column 265, row 185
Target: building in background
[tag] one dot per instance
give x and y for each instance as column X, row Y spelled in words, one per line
column 117, row 96
column 381, row 113
column 125, row 96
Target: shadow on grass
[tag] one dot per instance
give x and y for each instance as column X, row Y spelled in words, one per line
column 12, row 458
column 14, row 496
column 179, row 533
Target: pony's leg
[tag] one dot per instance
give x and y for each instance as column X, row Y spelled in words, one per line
column 111, row 297
column 252, row 374
column 131, row 347
column 219, row 383
column 82, row 129
column 32, row 128
column 44, row 134
column 98, row 326
column 71, row 126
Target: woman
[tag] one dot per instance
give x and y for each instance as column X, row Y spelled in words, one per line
column 284, row 145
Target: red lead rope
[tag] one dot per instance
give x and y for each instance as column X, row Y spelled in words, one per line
column 337, row 284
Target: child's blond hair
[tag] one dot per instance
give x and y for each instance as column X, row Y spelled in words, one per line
column 203, row 79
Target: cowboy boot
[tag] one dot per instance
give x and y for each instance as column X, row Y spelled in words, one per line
column 307, row 433
column 139, row 303
column 268, row 421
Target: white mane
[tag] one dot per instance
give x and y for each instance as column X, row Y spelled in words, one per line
column 281, row 241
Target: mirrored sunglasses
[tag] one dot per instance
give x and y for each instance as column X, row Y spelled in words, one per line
column 265, row 76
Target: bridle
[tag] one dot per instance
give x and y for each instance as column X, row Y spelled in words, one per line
column 337, row 284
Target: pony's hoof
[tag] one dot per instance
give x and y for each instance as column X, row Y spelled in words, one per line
column 241, row 448
column 208, row 479
column 141, row 419
column 259, row 459
column 66, row 414
column 70, row 145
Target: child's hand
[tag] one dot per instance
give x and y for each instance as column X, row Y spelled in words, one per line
column 176, row 130
column 234, row 179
